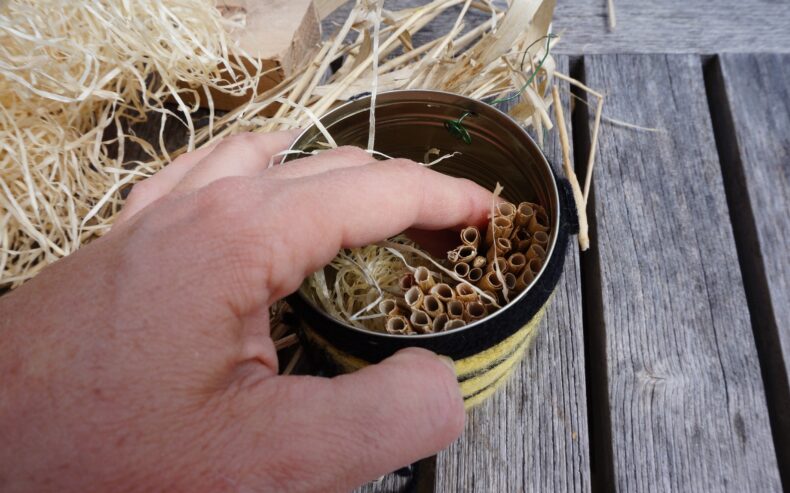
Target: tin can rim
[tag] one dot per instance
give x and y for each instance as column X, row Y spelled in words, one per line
column 435, row 96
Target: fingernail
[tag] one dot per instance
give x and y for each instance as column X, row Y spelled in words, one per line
column 447, row 361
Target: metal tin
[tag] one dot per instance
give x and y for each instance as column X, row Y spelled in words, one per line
column 408, row 124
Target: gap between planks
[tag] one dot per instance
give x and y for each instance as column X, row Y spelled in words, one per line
column 598, row 419
column 758, row 297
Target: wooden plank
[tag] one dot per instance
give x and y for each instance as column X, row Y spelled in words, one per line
column 532, row 434
column 687, row 406
column 752, row 95
column 673, row 26
column 666, row 26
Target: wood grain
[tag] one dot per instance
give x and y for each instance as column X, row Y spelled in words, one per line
column 750, row 105
column 532, row 434
column 674, row 26
column 686, row 398
column 664, row 26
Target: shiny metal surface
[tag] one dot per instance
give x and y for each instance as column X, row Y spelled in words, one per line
column 409, row 123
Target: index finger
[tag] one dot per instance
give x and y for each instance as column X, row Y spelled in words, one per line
column 353, row 207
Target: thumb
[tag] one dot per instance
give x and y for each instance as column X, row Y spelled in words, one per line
column 334, row 434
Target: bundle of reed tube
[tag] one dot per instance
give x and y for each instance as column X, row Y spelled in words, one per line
column 488, row 271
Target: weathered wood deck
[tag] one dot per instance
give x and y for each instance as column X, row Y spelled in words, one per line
column 662, row 363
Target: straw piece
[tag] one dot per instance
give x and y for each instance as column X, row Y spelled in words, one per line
column 502, row 227
column 471, row 236
column 535, row 265
column 461, row 269
column 286, row 342
column 611, row 14
column 503, row 247
column 499, row 264
column 581, row 200
column 479, row 262
column 375, row 86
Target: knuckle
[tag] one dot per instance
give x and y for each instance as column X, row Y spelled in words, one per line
column 352, row 153
column 140, row 192
column 221, row 196
column 246, row 238
column 239, row 139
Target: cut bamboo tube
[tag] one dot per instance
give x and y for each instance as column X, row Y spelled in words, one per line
column 465, row 292
column 489, row 282
column 524, row 214
column 503, row 247
column 541, row 238
column 474, row 310
column 424, row 279
column 506, row 209
column 406, row 282
column 510, row 281
column 454, row 324
column 461, row 269
column 535, row 251
column 440, row 322
column 471, row 237
column 398, row 325
column 389, row 307
column 432, row 306
column 414, row 298
column 516, row 262
column 421, row 322
column 455, row 309
column 443, row 291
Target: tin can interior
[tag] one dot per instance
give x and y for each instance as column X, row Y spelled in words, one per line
column 409, row 123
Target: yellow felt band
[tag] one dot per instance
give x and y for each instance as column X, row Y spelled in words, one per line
column 478, row 388
column 482, row 361
column 479, row 375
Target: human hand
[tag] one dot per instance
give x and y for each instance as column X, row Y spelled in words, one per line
column 144, row 361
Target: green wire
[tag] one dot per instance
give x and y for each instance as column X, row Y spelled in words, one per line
column 456, row 128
